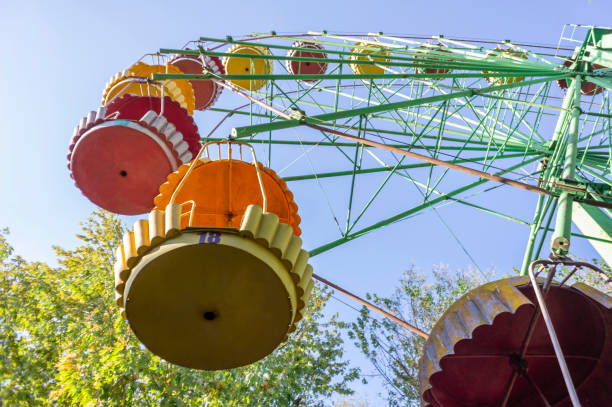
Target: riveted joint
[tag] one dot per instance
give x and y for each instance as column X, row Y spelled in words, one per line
column 297, row 114
column 518, row 364
column 235, row 134
column 560, row 246
column 543, row 164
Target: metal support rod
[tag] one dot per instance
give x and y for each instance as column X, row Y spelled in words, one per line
column 421, row 157
column 553, row 338
column 560, row 242
column 373, row 307
column 404, row 214
column 534, row 228
column 538, row 390
column 195, row 160
column 308, row 121
column 431, row 160
column 254, row 100
column 245, row 131
column 310, row 77
column 535, row 317
column 386, row 168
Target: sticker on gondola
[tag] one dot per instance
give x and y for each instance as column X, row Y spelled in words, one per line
column 210, row 237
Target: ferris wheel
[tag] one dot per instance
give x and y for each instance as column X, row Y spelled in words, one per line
column 354, row 116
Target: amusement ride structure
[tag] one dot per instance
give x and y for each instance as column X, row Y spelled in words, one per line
column 455, row 118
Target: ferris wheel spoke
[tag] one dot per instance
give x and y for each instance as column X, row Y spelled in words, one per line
column 521, row 117
column 599, row 176
column 479, row 114
column 248, row 130
column 430, row 117
column 428, row 191
column 494, row 134
column 402, row 215
column 454, row 117
column 385, row 168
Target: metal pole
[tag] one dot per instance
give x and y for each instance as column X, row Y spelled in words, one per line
column 553, row 338
column 534, row 229
column 560, row 242
column 373, row 307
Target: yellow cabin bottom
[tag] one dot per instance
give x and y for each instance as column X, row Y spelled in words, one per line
column 210, row 299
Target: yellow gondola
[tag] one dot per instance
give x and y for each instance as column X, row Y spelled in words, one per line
column 374, row 53
column 240, row 65
column 126, row 82
column 212, row 297
column 510, row 55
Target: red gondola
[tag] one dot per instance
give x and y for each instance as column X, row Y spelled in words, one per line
column 206, row 91
column 306, row 67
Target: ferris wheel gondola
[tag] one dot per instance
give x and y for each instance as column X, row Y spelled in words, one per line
column 368, row 104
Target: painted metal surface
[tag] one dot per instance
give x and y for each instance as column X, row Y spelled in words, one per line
column 241, row 61
column 367, row 51
column 206, row 93
column 136, row 80
column 508, row 54
column 211, row 298
column 221, row 191
column 431, row 63
column 479, row 343
column 133, row 107
column 560, row 241
column 587, row 88
column 118, row 164
column 597, row 223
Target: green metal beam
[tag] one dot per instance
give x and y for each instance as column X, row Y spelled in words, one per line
column 247, row 131
column 316, row 77
column 387, row 168
column 449, row 63
column 534, row 228
column 595, row 222
column 410, row 211
column 393, row 51
column 561, row 237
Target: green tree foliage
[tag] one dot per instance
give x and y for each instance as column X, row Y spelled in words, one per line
column 602, row 282
column 393, row 350
column 63, row 342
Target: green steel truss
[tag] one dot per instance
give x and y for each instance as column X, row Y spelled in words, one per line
column 484, row 107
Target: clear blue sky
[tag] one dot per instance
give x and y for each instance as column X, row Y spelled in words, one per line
column 58, row 55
